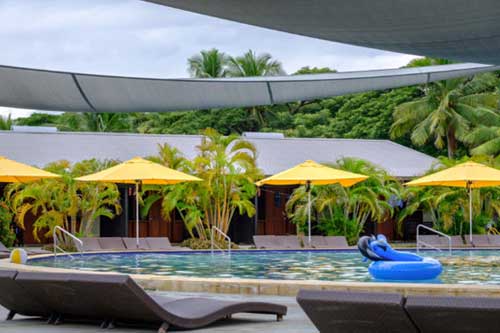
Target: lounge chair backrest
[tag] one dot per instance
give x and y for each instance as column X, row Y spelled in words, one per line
column 456, row 241
column 3, row 248
column 479, row 240
column 14, row 298
column 90, row 244
column 159, row 243
column 131, row 243
column 265, row 241
column 316, row 241
column 494, row 240
column 433, row 240
column 336, row 241
column 341, row 311
column 288, row 242
column 454, row 314
column 111, row 243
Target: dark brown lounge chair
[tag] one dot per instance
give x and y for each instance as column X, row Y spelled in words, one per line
column 17, row 300
column 336, row 242
column 267, row 242
column 494, row 240
column 454, row 314
column 163, row 244
column 341, row 311
column 131, row 243
column 115, row 299
column 90, row 244
column 479, row 241
column 5, row 252
column 111, row 243
column 289, row 242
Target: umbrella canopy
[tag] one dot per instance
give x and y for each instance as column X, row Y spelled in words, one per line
column 311, row 172
column 15, row 172
column 139, row 171
column 469, row 175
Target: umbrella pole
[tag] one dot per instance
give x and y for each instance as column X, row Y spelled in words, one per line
column 137, row 213
column 470, row 211
column 309, row 214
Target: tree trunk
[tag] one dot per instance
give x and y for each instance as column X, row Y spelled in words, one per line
column 452, row 142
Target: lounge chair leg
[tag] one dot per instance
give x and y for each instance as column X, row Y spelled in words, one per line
column 229, row 316
column 279, row 317
column 11, row 315
column 111, row 325
column 51, row 319
column 104, row 324
column 163, row 328
column 59, row 320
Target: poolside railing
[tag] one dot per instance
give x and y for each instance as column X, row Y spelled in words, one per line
column 214, row 246
column 73, row 237
column 421, row 242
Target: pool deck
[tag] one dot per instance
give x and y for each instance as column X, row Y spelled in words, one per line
column 294, row 321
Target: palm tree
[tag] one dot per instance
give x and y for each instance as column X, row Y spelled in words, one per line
column 251, row 64
column 6, row 123
column 485, row 140
column 447, row 111
column 208, row 64
column 105, row 122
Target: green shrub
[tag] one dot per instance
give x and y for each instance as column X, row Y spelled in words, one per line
column 205, row 244
column 7, row 235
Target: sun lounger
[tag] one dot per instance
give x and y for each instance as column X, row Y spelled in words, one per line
column 317, row 242
column 432, row 241
column 342, row 311
column 479, row 241
column 336, row 242
column 111, row 243
column 115, row 299
column 131, row 244
column 454, row 314
column 5, row 252
column 90, row 244
column 494, row 240
column 289, row 242
column 163, row 244
column 267, row 242
column 17, row 300
column 456, row 241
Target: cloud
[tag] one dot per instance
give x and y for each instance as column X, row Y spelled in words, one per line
column 136, row 38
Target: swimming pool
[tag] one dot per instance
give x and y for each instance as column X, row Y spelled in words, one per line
column 344, row 266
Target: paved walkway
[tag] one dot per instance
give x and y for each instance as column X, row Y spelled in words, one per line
column 295, row 321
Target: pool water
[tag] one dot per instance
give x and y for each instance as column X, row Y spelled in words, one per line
column 345, row 266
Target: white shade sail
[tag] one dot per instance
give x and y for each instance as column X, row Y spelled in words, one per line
column 65, row 91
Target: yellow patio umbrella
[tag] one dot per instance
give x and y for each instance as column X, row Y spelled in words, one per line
column 312, row 173
column 468, row 175
column 15, row 172
column 139, row 171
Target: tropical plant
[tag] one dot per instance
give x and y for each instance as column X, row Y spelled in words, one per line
column 64, row 202
column 449, row 206
column 251, row 64
column 227, row 165
column 6, row 123
column 208, row 64
column 345, row 211
column 7, row 235
column 485, row 140
column 447, row 112
column 105, row 122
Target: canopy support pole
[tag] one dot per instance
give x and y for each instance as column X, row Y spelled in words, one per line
column 308, row 189
column 469, row 187
column 137, row 213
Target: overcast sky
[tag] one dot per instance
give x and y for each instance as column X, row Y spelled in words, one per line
column 136, row 38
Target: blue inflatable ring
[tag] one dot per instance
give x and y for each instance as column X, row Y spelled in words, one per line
column 427, row 269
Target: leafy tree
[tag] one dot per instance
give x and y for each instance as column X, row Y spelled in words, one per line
column 38, row 119
column 485, row 140
column 6, row 123
column 314, row 70
column 447, row 112
column 208, row 64
column 105, row 122
column 251, row 64
column 422, row 62
column 75, row 206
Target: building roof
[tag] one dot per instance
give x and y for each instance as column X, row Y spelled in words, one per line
column 72, row 92
column 274, row 155
column 462, row 30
